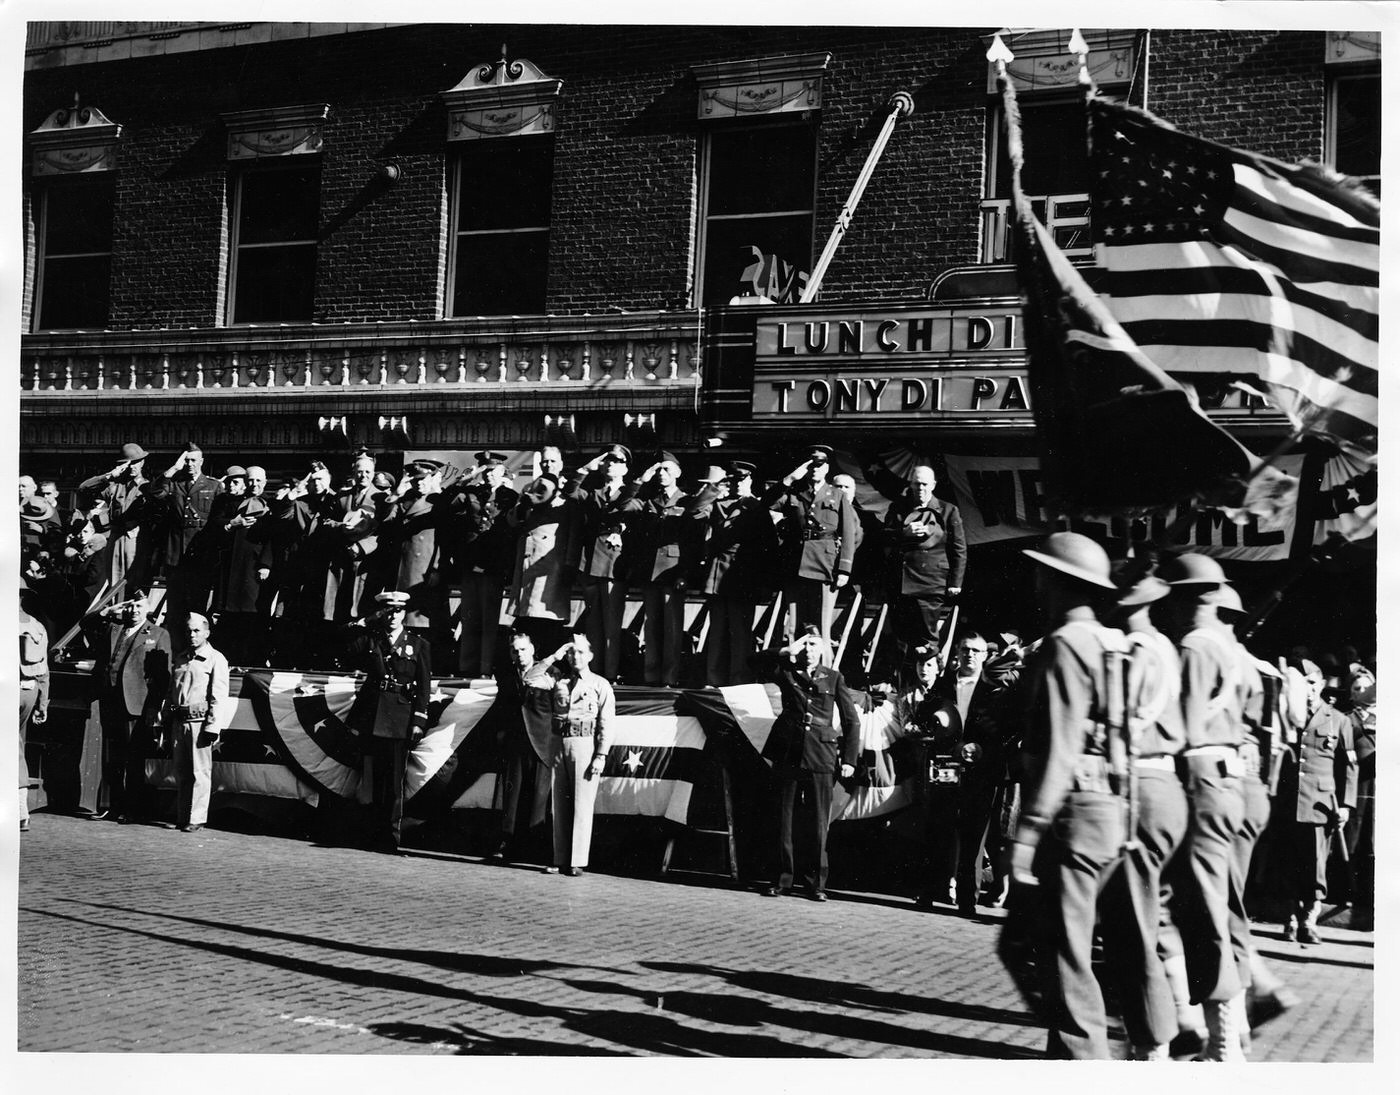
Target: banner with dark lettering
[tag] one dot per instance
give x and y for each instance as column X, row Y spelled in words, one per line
column 1001, row 498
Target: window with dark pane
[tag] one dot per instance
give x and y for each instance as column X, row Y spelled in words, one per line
column 74, row 281
column 500, row 262
column 1356, row 121
column 278, row 213
column 759, row 201
column 1055, row 142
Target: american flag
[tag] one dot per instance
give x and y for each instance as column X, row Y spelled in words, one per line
column 1220, row 261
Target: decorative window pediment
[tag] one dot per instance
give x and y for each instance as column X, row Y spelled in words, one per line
column 1043, row 60
column 761, row 87
column 73, row 140
column 501, row 99
column 1347, row 46
column 275, row 131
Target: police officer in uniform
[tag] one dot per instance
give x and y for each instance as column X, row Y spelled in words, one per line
column 391, row 708
column 828, row 525
column 807, row 749
column 1213, row 688
column 1071, row 830
column 1316, row 794
column 1132, row 899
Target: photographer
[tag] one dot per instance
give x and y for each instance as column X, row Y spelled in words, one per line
column 390, row 711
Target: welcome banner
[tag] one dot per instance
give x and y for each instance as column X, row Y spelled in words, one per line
column 1001, row 499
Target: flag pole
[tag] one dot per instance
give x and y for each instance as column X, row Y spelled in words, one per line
column 901, row 105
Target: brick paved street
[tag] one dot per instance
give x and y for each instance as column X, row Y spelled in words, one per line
column 137, row 938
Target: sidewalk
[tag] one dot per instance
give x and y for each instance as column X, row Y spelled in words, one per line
column 137, row 938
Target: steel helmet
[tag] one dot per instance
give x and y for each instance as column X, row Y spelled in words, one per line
column 1075, row 555
column 1192, row 570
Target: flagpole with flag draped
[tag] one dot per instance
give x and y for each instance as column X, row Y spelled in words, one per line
column 1221, row 261
column 1117, row 435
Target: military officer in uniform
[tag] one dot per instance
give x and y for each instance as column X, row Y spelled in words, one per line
column 1361, row 833
column 391, row 709
column 928, row 555
column 828, row 529
column 669, row 525
column 926, row 713
column 409, row 551
column 740, row 544
column 807, row 749
column 1213, row 690
column 487, row 559
column 583, row 713
column 1071, row 830
column 196, row 710
column 33, row 694
column 1131, row 909
column 606, row 508
column 183, row 498
column 1316, row 794
column 122, row 491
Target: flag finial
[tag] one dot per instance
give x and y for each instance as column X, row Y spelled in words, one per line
column 1080, row 48
column 998, row 53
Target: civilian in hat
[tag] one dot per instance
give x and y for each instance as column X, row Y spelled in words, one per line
column 243, row 553
column 132, row 666
column 181, row 500
column 670, row 528
column 409, row 547
column 740, row 545
column 38, row 520
column 828, row 531
column 487, row 554
column 928, row 556
column 546, row 562
column 1071, row 830
column 1212, row 696
column 310, row 507
column 390, row 711
column 122, row 493
column 1131, row 904
column 607, row 501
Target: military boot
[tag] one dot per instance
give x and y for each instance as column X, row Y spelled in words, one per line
column 1223, row 1021
column 1307, row 930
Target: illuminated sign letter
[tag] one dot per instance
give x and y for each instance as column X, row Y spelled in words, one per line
column 848, row 336
column 876, row 388
column 817, row 345
column 783, row 347
column 882, row 336
column 979, row 332
column 783, row 388
column 818, row 395
column 912, row 395
column 846, row 391
column 983, row 387
column 1014, row 398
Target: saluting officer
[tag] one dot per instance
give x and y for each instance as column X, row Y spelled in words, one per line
column 1132, row 898
column 1316, row 794
column 807, row 748
column 1213, row 688
column 390, row 711
column 584, row 710
column 1071, row 830
column 828, row 524
column 606, row 508
column 487, row 559
column 741, row 543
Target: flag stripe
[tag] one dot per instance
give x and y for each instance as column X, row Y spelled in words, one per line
column 1292, row 191
column 668, row 798
column 1201, row 287
column 1305, row 266
column 1245, row 322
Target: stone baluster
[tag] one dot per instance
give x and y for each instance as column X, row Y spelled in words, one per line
column 461, row 365
column 544, row 363
column 631, row 361
column 501, row 370
column 345, row 369
column 673, row 365
column 383, row 366
column 101, row 372
column 68, row 375
column 199, row 370
column 585, row 372
column 165, row 371
column 307, row 378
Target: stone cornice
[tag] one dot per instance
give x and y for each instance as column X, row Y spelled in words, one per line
column 761, row 86
column 74, row 140
column 275, row 131
column 501, row 99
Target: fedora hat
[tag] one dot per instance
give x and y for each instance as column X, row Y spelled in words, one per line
column 1076, row 555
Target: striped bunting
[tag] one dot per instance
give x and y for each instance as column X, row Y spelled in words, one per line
column 1220, row 261
column 287, row 738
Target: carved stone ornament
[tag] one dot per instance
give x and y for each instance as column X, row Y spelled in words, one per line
column 1353, row 45
column 760, row 87
column 75, row 140
column 501, row 99
column 275, row 131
